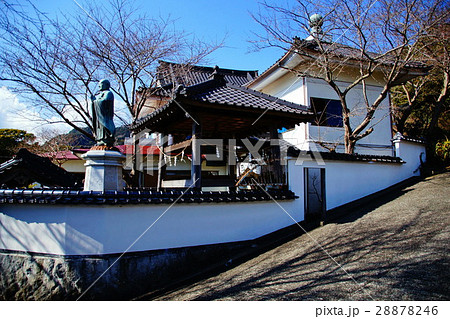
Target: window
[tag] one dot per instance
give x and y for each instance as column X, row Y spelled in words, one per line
column 328, row 112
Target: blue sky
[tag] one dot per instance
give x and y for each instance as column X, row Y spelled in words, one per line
column 209, row 20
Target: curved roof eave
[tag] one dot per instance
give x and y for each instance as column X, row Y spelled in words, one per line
column 291, row 59
column 274, row 72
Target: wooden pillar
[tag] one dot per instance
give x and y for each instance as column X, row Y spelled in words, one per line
column 138, row 165
column 230, row 146
column 196, row 164
column 276, row 156
column 161, row 164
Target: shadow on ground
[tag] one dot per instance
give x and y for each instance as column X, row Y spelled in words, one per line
column 394, row 247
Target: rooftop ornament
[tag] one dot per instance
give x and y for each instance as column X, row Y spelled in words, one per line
column 316, row 22
column 316, row 32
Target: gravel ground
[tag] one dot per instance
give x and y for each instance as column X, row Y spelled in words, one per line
column 396, row 248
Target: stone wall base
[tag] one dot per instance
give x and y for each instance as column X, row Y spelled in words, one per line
column 48, row 277
column 137, row 275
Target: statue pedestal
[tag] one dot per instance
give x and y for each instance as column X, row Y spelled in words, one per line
column 103, row 170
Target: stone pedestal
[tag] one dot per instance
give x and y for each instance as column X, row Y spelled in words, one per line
column 103, row 170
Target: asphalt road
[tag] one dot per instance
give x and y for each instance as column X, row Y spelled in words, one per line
column 395, row 248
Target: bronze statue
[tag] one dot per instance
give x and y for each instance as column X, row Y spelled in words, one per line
column 102, row 115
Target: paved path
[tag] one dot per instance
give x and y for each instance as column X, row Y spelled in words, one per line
column 396, row 249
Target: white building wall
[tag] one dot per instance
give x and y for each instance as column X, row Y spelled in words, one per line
column 346, row 181
column 105, row 229
column 74, row 166
column 380, row 138
column 412, row 153
column 87, row 230
column 299, row 90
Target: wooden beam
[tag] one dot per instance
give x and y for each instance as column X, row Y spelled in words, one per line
column 177, row 146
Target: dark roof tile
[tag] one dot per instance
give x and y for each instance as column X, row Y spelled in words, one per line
column 8, row 196
column 26, row 168
column 189, row 75
column 333, row 156
column 218, row 91
column 241, row 96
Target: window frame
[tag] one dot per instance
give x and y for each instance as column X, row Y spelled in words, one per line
column 321, row 108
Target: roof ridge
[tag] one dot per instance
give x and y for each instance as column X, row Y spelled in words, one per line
column 275, row 64
column 384, row 59
column 9, row 163
column 294, row 151
column 216, row 81
column 312, row 47
column 211, row 68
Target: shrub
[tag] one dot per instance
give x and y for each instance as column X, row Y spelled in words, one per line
column 443, row 150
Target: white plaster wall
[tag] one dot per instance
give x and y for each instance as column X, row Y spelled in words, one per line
column 348, row 181
column 290, row 88
column 381, row 122
column 408, row 152
column 300, row 90
column 74, row 166
column 86, row 230
column 103, row 229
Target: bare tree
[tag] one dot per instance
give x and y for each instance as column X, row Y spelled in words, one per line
column 129, row 46
column 406, row 98
column 379, row 39
column 56, row 62
column 55, row 145
column 432, row 91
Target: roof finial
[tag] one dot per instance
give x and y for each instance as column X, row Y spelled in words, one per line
column 316, row 32
column 216, row 75
column 316, row 22
column 215, row 72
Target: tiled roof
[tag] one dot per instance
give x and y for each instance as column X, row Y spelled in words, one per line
column 29, row 196
column 333, row 156
column 124, row 149
column 218, row 91
column 26, row 168
column 61, row 155
column 400, row 137
column 143, row 149
column 339, row 50
column 240, row 96
column 194, row 74
column 345, row 51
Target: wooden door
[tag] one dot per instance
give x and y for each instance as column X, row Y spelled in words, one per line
column 315, row 203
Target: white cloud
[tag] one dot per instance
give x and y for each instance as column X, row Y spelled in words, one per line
column 18, row 115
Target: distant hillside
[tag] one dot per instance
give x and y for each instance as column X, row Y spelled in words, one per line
column 77, row 139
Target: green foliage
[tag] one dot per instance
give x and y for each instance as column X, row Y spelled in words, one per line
column 11, row 140
column 443, row 150
column 421, row 112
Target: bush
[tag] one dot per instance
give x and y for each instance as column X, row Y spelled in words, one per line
column 443, row 150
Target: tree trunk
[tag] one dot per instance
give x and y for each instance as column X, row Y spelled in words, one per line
column 349, row 146
column 348, row 142
column 439, row 105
